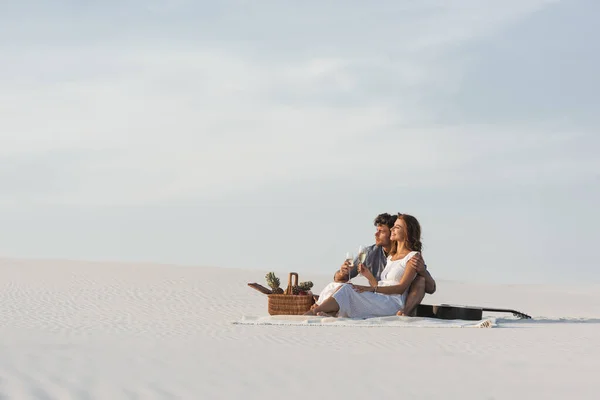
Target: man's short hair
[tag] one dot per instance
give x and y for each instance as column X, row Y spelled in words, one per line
column 385, row 219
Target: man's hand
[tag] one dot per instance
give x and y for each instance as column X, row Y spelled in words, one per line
column 417, row 263
column 343, row 273
column 345, row 269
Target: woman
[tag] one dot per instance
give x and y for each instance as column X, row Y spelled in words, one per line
column 387, row 296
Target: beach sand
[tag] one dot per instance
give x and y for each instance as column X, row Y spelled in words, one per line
column 85, row 330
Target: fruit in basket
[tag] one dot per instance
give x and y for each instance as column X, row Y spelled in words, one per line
column 305, row 286
column 273, row 282
column 298, row 290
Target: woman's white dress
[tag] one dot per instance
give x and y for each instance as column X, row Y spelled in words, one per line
column 368, row 304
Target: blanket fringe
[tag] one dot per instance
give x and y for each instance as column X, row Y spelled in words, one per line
column 382, row 322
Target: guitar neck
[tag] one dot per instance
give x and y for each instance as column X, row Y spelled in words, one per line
column 514, row 312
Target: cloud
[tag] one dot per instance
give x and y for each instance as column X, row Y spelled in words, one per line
column 198, row 118
column 279, row 125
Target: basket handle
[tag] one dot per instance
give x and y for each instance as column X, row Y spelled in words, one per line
column 291, row 283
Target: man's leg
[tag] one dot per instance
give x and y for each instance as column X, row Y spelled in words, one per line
column 416, row 293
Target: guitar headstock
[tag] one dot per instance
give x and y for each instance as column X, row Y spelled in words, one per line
column 521, row 315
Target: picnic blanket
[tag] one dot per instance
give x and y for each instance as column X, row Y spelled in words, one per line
column 392, row 321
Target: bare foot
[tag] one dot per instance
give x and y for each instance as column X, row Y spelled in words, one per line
column 324, row 314
column 310, row 312
column 400, row 313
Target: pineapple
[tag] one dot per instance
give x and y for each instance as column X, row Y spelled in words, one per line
column 273, row 282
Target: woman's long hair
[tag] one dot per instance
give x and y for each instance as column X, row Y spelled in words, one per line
column 412, row 234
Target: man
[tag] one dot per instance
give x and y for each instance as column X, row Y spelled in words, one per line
column 377, row 258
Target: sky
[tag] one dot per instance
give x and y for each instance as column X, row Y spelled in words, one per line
column 269, row 134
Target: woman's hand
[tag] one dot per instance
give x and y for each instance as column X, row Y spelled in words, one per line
column 360, row 288
column 366, row 272
column 363, row 270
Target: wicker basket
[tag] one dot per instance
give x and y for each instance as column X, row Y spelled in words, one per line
column 287, row 303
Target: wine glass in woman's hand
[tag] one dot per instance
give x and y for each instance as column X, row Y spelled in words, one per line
column 362, row 256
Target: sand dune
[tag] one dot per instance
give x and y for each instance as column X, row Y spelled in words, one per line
column 82, row 330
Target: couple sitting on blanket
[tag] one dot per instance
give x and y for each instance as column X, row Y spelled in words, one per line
column 397, row 275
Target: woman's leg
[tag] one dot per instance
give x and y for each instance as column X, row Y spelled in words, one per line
column 329, row 306
column 416, row 292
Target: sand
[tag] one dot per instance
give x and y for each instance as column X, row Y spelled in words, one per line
column 82, row 330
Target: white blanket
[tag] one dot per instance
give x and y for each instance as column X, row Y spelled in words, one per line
column 392, row 321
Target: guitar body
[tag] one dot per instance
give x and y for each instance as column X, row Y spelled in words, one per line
column 446, row 311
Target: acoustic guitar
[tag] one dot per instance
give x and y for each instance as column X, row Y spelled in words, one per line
column 446, row 311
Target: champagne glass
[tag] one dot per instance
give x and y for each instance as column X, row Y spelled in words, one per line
column 362, row 254
column 350, row 259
